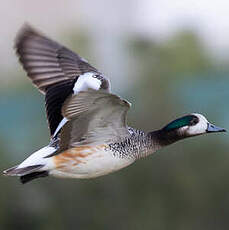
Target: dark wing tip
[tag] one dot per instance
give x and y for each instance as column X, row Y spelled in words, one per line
column 23, row 34
column 28, row 34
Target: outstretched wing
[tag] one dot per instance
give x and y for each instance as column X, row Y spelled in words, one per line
column 47, row 62
column 94, row 117
column 53, row 69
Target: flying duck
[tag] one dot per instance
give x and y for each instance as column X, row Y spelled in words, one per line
column 89, row 133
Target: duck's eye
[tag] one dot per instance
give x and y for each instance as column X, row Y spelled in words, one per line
column 194, row 121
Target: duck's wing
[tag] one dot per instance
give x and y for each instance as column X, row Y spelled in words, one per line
column 95, row 117
column 56, row 71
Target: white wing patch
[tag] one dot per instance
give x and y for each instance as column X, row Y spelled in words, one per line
column 84, row 82
column 61, row 124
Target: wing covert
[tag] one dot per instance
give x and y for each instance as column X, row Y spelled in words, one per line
column 94, row 117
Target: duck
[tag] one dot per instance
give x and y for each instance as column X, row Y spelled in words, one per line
column 89, row 135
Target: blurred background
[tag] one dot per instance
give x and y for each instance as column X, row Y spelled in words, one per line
column 167, row 58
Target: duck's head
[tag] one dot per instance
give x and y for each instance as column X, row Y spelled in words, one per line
column 191, row 125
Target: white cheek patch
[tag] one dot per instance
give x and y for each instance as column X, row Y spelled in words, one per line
column 200, row 128
column 85, row 82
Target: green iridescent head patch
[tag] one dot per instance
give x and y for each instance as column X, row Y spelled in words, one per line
column 181, row 122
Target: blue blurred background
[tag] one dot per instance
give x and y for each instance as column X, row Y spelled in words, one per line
column 167, row 58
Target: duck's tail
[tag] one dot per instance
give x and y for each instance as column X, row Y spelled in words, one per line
column 26, row 174
column 35, row 166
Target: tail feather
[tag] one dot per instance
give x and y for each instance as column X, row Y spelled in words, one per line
column 9, row 172
column 28, row 177
column 27, row 173
column 36, row 165
column 16, row 171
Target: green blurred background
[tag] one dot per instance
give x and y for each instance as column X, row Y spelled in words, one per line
column 165, row 72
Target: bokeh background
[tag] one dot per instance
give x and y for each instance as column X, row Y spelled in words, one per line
column 168, row 58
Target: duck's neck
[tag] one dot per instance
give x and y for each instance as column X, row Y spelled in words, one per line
column 141, row 144
column 163, row 138
column 160, row 138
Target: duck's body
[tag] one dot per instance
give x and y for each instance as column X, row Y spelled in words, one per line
column 89, row 161
column 89, row 134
